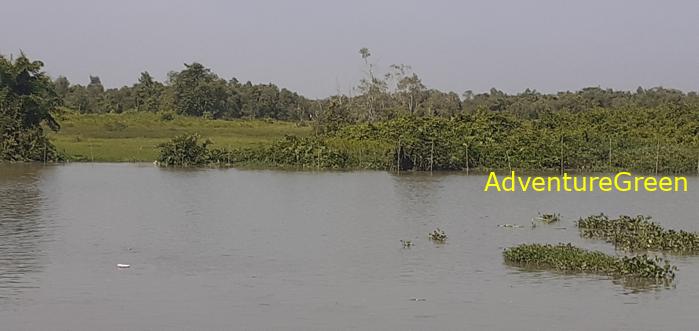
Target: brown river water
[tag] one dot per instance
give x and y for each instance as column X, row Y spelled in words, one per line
column 231, row 249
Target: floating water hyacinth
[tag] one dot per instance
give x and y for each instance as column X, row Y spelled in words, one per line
column 438, row 235
column 548, row 218
column 638, row 234
column 568, row 258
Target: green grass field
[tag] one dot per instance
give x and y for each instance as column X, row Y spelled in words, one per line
column 133, row 137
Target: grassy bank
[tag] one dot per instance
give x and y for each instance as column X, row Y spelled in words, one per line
column 134, row 136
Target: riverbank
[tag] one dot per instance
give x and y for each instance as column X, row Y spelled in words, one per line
column 481, row 140
column 133, row 137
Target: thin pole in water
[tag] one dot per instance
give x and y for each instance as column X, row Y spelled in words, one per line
column 432, row 157
column 561, row 155
column 657, row 156
column 398, row 157
column 466, row 159
column 509, row 165
column 610, row 154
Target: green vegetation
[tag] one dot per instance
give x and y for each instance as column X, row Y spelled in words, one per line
column 134, row 136
column 27, row 100
column 638, row 234
column 393, row 122
column 185, row 150
column 568, row 258
column 437, row 235
column 597, row 140
column 549, row 218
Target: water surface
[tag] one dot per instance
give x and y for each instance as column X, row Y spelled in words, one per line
column 241, row 249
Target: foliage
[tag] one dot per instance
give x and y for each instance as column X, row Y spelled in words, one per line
column 193, row 91
column 597, row 140
column 638, row 234
column 549, row 218
column 27, row 101
column 437, row 235
column 568, row 258
column 304, row 152
column 185, row 150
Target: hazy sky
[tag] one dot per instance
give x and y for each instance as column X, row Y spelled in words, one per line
column 311, row 46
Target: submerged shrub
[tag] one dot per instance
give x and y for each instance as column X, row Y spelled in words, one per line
column 185, row 150
column 306, row 152
column 568, row 258
column 638, row 234
column 549, row 218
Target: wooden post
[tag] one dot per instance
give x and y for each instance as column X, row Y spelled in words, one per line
column 432, row 157
column 561, row 155
column 657, row 156
column 398, row 157
column 610, row 154
column 467, row 160
column 509, row 165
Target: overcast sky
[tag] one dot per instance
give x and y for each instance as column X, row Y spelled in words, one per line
column 311, row 46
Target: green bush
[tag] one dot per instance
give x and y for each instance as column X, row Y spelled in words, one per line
column 185, row 150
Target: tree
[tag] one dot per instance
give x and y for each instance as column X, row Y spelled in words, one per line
column 372, row 88
column 27, row 100
column 95, row 95
column 147, row 93
column 61, row 85
column 197, row 91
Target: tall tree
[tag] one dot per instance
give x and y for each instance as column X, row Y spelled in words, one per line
column 198, row 92
column 27, row 100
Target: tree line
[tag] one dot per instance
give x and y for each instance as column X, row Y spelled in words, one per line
column 193, row 91
column 379, row 95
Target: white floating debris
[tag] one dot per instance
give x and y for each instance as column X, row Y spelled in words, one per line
column 516, row 226
column 120, row 265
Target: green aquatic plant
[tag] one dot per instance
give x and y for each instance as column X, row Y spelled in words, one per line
column 185, row 150
column 406, row 243
column 638, row 234
column 568, row 258
column 437, row 235
column 548, row 218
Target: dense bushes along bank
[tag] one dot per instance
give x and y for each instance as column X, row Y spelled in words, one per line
column 649, row 140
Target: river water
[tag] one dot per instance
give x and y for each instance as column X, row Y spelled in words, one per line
column 245, row 249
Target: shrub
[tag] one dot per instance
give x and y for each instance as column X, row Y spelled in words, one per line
column 185, row 150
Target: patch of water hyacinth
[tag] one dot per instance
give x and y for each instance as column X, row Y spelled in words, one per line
column 437, row 235
column 638, row 234
column 548, row 218
column 570, row 259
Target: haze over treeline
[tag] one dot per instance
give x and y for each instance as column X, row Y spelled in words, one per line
column 309, row 46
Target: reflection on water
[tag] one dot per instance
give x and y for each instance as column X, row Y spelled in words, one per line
column 22, row 230
column 214, row 249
